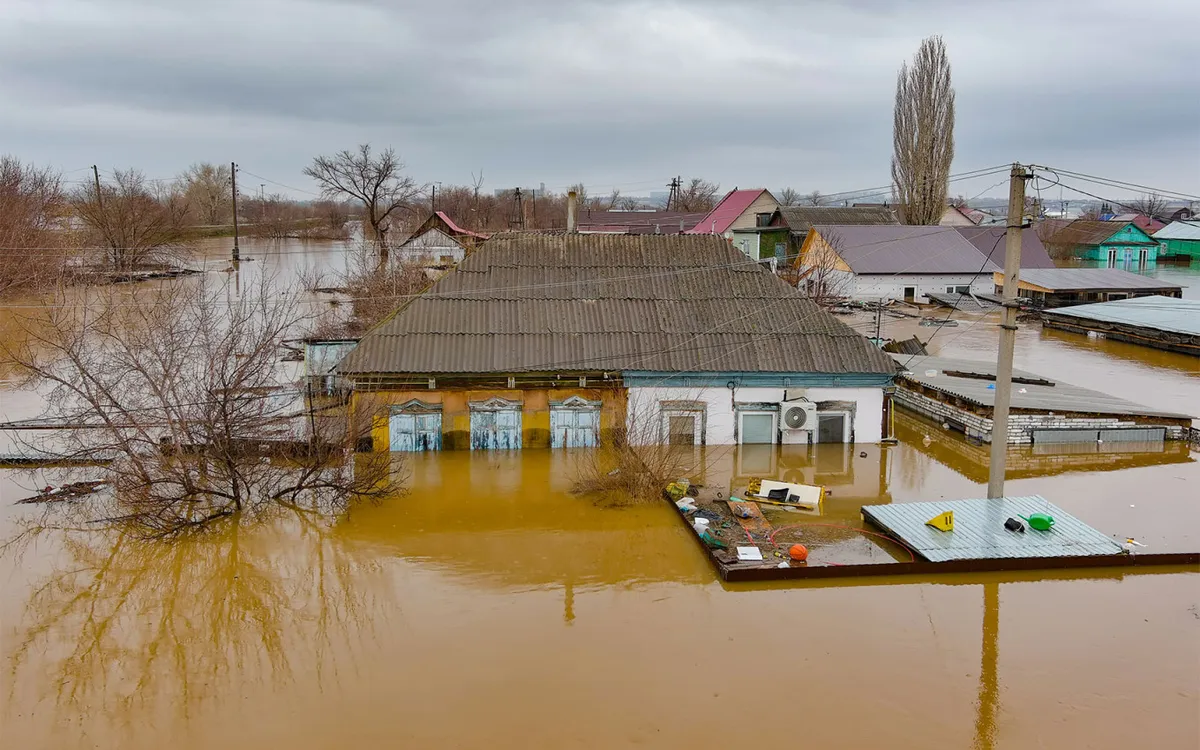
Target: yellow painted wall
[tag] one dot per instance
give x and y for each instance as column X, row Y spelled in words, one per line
column 456, row 412
column 817, row 253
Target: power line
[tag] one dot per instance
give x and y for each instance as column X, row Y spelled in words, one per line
column 1117, row 183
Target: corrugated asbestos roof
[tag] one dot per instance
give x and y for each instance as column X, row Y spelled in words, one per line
column 802, row 218
column 586, row 303
column 1179, row 230
column 905, row 249
column 1060, row 397
column 989, row 240
column 733, row 205
column 1076, row 279
column 1162, row 313
column 979, row 531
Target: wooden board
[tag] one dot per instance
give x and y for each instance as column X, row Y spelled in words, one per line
column 755, row 523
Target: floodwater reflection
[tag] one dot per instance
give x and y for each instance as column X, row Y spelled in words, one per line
column 124, row 628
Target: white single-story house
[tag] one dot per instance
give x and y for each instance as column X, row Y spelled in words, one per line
column 891, row 262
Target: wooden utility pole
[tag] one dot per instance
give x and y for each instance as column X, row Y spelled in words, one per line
column 99, row 199
column 1008, row 329
column 237, row 253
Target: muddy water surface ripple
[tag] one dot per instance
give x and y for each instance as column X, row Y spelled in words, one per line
column 489, row 607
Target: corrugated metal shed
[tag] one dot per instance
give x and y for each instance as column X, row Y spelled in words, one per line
column 904, row 249
column 1058, row 398
column 1179, row 230
column 595, row 302
column 802, row 218
column 979, row 531
column 1161, row 313
column 1086, row 279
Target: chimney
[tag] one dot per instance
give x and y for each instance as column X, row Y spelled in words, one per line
column 572, row 199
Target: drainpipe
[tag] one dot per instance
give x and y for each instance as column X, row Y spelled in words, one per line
column 572, row 200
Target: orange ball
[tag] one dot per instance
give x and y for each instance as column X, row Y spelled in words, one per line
column 798, row 552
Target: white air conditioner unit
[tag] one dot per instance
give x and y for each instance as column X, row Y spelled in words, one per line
column 798, row 420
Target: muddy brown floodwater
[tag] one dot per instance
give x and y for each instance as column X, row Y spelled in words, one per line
column 488, row 607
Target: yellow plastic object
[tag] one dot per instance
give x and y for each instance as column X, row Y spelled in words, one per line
column 754, row 486
column 942, row 521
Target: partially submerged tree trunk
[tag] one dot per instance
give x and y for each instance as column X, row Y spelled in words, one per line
column 132, row 220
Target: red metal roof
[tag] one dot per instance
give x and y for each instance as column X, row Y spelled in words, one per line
column 733, row 205
column 457, row 229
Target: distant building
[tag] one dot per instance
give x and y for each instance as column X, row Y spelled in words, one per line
column 636, row 222
column 891, row 262
column 439, row 242
column 1179, row 239
column 1062, row 287
column 1112, row 243
column 786, row 229
column 739, row 209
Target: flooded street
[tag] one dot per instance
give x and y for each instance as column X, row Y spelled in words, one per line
column 487, row 606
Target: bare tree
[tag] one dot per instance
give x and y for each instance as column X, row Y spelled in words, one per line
column 374, row 290
column 134, row 220
column 1150, row 204
column 820, row 273
column 613, row 199
column 923, row 134
column 629, row 203
column 208, row 191
column 789, row 197
column 33, row 246
column 696, row 196
column 334, row 214
column 376, row 181
column 815, row 198
column 646, row 454
column 180, row 394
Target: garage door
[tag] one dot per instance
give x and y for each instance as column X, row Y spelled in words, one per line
column 757, row 428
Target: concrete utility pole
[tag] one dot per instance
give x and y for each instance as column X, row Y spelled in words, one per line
column 1008, row 329
column 237, row 253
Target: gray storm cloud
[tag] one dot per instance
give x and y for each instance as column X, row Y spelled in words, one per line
column 745, row 93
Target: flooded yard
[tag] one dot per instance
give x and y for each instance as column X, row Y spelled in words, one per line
column 488, row 606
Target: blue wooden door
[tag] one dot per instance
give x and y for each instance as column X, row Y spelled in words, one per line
column 574, row 428
column 414, row 432
column 496, row 430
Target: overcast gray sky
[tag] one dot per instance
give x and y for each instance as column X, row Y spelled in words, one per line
column 744, row 92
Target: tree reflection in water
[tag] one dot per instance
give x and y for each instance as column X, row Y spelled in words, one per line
column 124, row 625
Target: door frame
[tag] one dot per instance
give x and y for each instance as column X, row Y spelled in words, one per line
column 847, row 425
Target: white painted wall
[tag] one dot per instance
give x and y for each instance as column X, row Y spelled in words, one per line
column 644, row 414
column 891, row 286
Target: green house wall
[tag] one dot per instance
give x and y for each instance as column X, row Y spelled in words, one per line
column 1189, row 248
column 1128, row 241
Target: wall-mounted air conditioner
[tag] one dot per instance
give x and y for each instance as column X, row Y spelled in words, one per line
column 798, row 421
